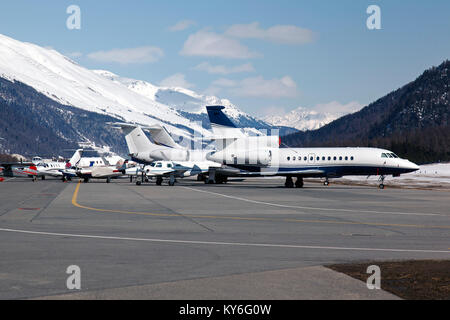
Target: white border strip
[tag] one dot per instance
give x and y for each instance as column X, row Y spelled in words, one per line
column 267, row 245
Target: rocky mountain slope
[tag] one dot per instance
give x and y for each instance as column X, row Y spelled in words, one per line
column 412, row 121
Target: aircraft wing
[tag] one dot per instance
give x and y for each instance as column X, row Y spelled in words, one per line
column 103, row 172
column 155, row 173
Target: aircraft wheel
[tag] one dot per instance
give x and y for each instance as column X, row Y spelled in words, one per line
column 289, row 183
column 43, row 178
column 108, row 180
column 326, row 183
column 171, row 183
column 86, row 180
column 381, row 186
column 138, row 183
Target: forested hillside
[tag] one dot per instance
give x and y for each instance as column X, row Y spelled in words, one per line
column 412, row 121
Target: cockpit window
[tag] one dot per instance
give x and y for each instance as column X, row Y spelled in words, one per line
column 394, row 155
column 159, row 165
column 390, row 156
column 152, row 164
column 384, row 155
column 169, row 165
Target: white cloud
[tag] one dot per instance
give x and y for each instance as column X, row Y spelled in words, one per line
column 220, row 69
column 272, row 88
column 258, row 87
column 206, row 43
column 285, row 34
column 130, row 55
column 223, row 82
column 75, row 54
column 176, row 80
column 182, row 25
column 337, row 107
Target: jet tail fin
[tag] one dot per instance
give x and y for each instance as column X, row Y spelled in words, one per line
column 221, row 125
column 135, row 137
column 161, row 136
column 75, row 158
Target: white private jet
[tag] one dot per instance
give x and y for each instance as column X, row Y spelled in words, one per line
column 259, row 156
column 47, row 167
column 172, row 159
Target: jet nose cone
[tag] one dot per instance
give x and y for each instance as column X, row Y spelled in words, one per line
column 412, row 166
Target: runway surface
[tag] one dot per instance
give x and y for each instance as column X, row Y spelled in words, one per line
column 242, row 240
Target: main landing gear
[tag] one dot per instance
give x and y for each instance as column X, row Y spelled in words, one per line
column 326, row 182
column 290, row 183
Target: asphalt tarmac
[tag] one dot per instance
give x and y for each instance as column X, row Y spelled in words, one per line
column 250, row 239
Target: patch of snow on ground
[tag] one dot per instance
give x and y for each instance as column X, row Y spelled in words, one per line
column 436, row 175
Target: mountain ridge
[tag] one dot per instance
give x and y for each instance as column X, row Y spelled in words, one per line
column 35, row 77
column 68, row 83
column 412, row 121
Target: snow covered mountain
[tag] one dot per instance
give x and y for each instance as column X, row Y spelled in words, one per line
column 187, row 102
column 68, row 83
column 303, row 119
column 28, row 71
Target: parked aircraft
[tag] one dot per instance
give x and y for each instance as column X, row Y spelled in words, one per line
column 259, row 156
column 47, row 167
column 168, row 169
column 92, row 168
column 177, row 160
column 19, row 168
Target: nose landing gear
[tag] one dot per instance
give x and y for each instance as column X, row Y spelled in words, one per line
column 381, row 186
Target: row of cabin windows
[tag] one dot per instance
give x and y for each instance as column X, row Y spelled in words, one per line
column 159, row 165
column 335, row 158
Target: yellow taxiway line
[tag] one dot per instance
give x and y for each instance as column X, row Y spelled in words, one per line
column 376, row 224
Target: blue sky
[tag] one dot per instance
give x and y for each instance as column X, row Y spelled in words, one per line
column 265, row 56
